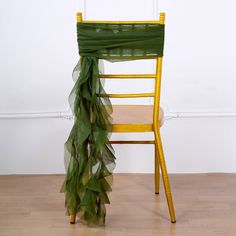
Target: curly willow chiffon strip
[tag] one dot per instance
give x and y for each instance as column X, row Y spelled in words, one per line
column 91, row 157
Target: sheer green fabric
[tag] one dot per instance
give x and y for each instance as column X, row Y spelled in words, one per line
column 91, row 157
column 120, row 41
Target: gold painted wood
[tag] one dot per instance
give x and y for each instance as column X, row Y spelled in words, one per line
column 134, row 95
column 79, row 19
column 133, row 142
column 72, row 219
column 161, row 21
column 124, row 128
column 159, row 153
column 157, row 116
column 128, row 76
column 121, row 22
column 156, row 169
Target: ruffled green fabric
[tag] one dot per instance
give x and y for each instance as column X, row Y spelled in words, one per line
column 91, row 157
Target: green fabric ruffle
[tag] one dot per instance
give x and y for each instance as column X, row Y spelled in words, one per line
column 91, row 158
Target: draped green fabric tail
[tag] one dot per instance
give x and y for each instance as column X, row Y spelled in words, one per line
column 91, row 157
column 91, row 154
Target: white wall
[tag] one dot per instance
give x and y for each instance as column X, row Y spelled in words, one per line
column 38, row 52
column 199, row 69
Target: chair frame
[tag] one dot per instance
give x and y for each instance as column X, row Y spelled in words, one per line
column 160, row 164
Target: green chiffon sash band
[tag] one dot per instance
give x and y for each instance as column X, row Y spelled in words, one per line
column 120, row 41
column 91, row 158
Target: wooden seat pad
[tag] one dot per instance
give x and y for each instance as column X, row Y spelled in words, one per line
column 135, row 114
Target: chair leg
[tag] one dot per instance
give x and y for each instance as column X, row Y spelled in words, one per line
column 72, row 218
column 157, row 171
column 165, row 176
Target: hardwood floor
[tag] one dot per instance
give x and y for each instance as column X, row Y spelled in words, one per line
column 205, row 205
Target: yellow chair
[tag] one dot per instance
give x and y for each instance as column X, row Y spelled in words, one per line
column 127, row 118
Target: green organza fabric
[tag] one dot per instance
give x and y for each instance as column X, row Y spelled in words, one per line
column 120, row 41
column 91, row 158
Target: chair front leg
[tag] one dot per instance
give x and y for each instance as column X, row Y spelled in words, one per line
column 165, row 176
column 72, row 218
column 157, row 171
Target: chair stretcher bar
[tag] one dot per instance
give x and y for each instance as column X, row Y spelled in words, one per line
column 118, row 22
column 161, row 21
column 134, row 95
column 128, row 76
column 133, row 142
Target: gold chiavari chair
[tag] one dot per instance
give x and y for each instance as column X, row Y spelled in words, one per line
column 127, row 118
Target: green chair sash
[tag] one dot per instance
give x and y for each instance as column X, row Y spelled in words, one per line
column 91, row 157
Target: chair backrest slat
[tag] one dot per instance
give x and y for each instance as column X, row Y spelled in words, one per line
column 127, row 76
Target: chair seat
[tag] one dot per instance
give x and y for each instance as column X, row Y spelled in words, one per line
column 134, row 118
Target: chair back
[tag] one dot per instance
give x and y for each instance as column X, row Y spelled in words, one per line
column 86, row 29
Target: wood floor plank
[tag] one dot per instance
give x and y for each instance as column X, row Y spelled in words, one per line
column 205, row 204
